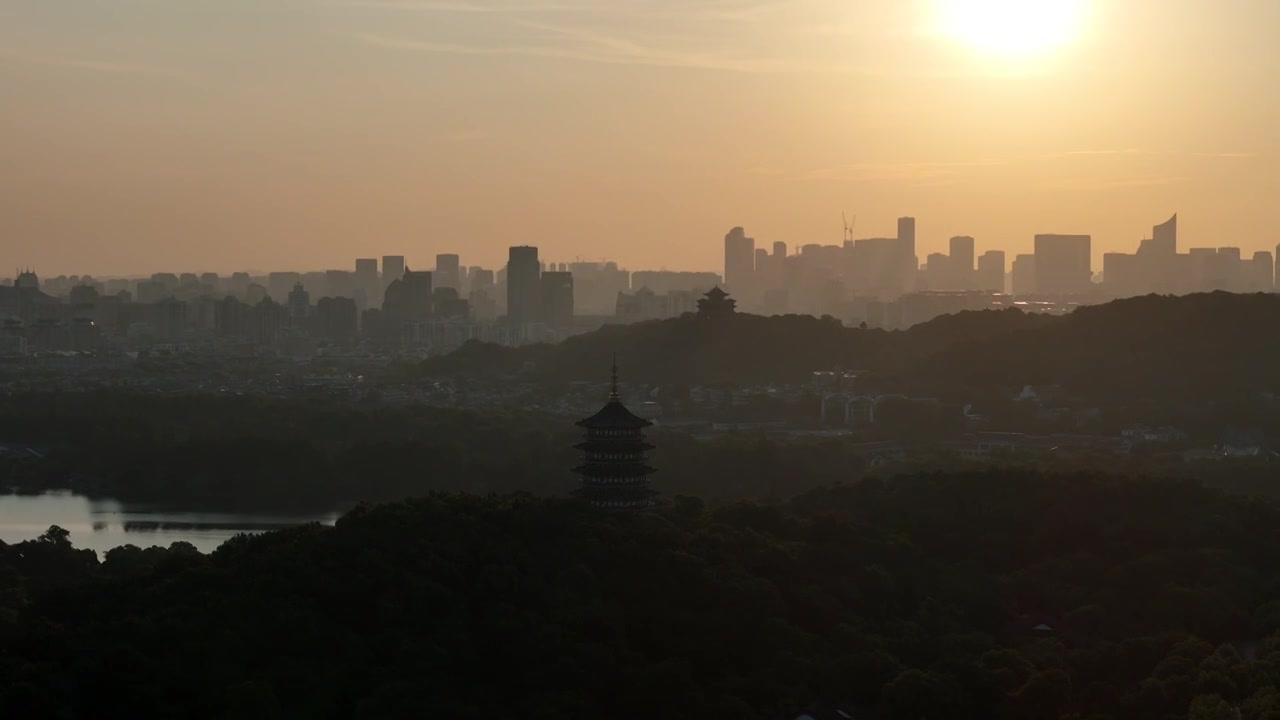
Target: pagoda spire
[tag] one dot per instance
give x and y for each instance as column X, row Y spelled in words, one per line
column 613, row 381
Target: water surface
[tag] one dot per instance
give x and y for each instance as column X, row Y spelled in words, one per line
column 104, row 524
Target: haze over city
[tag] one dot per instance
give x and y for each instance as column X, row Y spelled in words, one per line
column 141, row 136
column 636, row 359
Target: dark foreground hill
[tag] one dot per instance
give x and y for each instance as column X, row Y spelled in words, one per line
column 1197, row 346
column 915, row 598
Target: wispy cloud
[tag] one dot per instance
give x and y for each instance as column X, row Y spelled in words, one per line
column 88, row 64
column 1156, row 153
column 461, row 6
column 745, row 11
column 1104, row 152
column 1229, row 155
column 943, row 172
column 604, row 49
column 1117, row 183
column 894, row 172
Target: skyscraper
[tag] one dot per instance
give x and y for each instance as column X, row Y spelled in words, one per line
column 392, row 269
column 908, row 264
column 1063, row 264
column 448, row 271
column 556, row 290
column 1262, row 272
column 739, row 261
column 1164, row 237
column 960, row 263
column 1121, row 276
column 1024, row 275
column 367, row 286
column 481, row 279
column 523, row 292
column 299, row 305
column 991, row 271
column 340, row 283
column 337, row 318
column 417, row 295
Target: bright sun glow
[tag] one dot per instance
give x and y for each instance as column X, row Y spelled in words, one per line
column 1012, row 28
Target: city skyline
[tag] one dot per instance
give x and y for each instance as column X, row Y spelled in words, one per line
column 144, row 137
column 926, row 245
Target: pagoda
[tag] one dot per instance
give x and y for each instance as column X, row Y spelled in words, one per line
column 716, row 305
column 613, row 474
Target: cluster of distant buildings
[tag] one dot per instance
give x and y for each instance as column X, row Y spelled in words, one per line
column 383, row 306
column 882, row 281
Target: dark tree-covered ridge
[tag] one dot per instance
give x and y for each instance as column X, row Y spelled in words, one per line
column 916, row 597
column 1196, row 347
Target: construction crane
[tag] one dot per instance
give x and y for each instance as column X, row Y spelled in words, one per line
column 848, row 227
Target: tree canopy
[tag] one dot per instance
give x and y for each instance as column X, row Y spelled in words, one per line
column 1006, row 594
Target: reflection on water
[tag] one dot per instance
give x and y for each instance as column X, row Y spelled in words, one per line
column 103, row 524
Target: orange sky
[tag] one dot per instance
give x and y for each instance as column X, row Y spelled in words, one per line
column 139, row 136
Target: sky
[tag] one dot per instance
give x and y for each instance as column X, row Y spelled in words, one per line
column 141, row 136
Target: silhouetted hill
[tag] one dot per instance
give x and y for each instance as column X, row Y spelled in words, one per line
column 1193, row 346
column 745, row 349
column 1197, row 347
column 748, row 348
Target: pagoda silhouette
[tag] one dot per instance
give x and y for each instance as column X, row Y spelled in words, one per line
column 716, row 305
column 614, row 475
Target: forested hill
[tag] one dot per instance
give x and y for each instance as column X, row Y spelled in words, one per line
column 908, row 599
column 1206, row 345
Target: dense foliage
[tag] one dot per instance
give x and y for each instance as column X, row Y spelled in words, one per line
column 257, row 453
column 252, row 454
column 1194, row 347
column 911, row 598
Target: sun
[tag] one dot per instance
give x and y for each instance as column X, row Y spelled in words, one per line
column 1012, row 28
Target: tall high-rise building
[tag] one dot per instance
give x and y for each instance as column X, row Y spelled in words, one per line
column 480, row 279
column 279, row 284
column 763, row 268
column 1164, row 237
column 299, row 305
column 448, row 271
column 417, row 295
column 523, row 292
column 1226, row 271
column 1023, row 271
column 908, row 263
column 1063, row 264
column 340, row 283
column 739, row 262
column 1121, row 275
column 1262, row 272
column 991, row 271
column 337, row 318
column 392, row 269
column 556, row 290
column 960, row 262
column 937, row 272
column 368, row 289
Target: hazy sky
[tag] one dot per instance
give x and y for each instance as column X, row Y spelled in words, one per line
column 185, row 135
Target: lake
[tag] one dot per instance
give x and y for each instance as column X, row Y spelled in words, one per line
column 100, row 525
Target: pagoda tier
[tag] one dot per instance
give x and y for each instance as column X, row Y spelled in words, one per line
column 614, row 474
